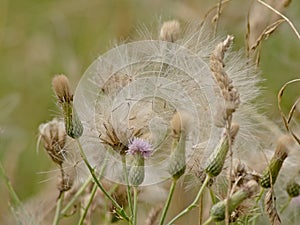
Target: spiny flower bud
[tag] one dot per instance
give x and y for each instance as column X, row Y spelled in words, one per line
column 270, row 174
column 180, row 125
column 217, row 158
column 61, row 88
column 217, row 212
column 140, row 149
column 293, row 189
column 177, row 160
column 53, row 136
column 169, row 31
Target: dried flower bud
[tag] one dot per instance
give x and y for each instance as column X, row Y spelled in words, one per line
column 180, row 124
column 169, row 31
column 53, row 136
column 65, row 183
column 61, row 88
column 270, row 174
column 217, row 212
column 217, row 158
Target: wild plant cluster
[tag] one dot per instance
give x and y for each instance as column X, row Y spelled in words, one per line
column 167, row 130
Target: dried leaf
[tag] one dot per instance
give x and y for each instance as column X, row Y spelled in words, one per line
column 285, row 119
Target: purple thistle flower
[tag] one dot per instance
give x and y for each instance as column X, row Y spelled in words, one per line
column 138, row 145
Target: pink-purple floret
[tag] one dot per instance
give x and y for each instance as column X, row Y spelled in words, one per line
column 138, row 145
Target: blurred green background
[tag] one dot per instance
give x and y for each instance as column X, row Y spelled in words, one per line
column 41, row 38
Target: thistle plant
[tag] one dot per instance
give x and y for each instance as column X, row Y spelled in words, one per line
column 163, row 112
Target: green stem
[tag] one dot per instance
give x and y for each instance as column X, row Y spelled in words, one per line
column 134, row 216
column 128, row 188
column 213, row 197
column 81, row 220
column 208, row 221
column 285, row 205
column 76, row 196
column 193, row 204
column 166, row 207
column 58, row 209
column 14, row 197
column 119, row 209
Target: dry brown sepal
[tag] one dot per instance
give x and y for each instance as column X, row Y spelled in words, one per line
column 227, row 90
column 170, row 31
column 270, row 208
column 54, row 136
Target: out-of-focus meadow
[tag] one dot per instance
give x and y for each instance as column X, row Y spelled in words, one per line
column 41, row 38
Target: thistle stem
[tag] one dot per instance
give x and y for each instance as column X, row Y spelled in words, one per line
column 285, row 205
column 119, row 209
column 166, row 207
column 134, row 216
column 16, row 201
column 208, row 221
column 58, row 209
column 128, row 188
column 193, row 204
column 81, row 220
column 76, row 196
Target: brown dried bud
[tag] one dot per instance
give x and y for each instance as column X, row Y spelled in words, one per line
column 53, row 135
column 61, row 87
column 169, row 31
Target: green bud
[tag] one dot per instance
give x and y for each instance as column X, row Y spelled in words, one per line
column 270, row 174
column 137, row 171
column 73, row 125
column 177, row 160
column 293, row 189
column 217, row 158
column 217, row 212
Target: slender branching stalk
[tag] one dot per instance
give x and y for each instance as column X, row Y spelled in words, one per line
column 76, row 196
column 14, row 197
column 134, row 216
column 166, row 207
column 58, row 209
column 193, row 204
column 119, row 209
column 128, row 187
column 83, row 216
